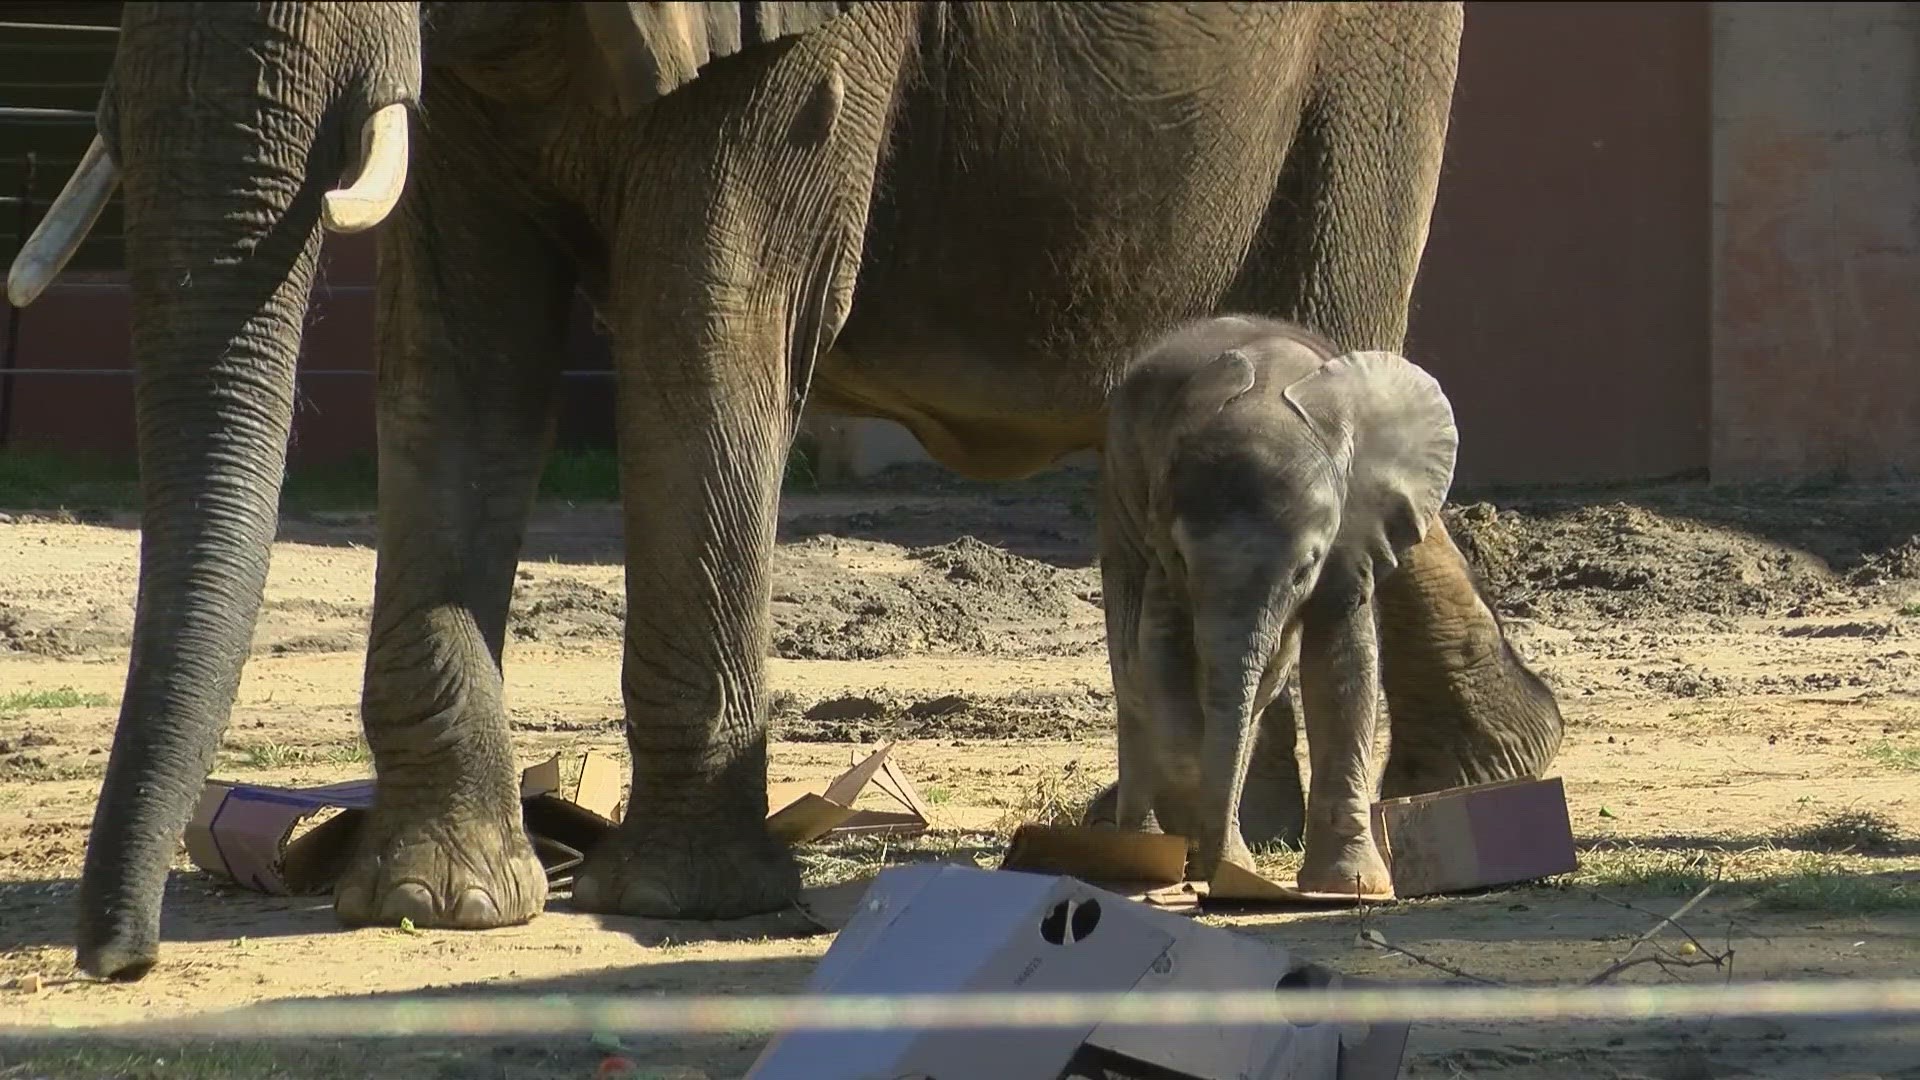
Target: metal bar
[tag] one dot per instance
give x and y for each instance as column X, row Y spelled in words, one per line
column 727, row 1014
column 81, row 27
column 22, row 112
column 13, row 317
column 301, row 374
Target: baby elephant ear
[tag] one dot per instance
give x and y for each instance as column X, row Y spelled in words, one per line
column 1398, row 428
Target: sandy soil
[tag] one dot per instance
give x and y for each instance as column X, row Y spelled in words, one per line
column 1738, row 672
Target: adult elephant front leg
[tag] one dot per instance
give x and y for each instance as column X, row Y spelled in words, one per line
column 725, row 294
column 473, row 318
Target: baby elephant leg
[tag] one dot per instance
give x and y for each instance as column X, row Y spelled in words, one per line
column 1340, row 689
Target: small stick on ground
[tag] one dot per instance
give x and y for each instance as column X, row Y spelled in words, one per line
column 1665, row 960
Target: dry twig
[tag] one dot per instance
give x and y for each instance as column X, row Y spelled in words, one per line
column 1664, row 960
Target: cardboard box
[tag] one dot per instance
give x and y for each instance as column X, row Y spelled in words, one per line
column 810, row 811
column 954, row 929
column 1475, row 837
column 245, row 832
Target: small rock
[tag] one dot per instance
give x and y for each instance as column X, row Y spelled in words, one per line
column 28, row 984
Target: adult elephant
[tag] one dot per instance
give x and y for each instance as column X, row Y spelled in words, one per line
column 959, row 216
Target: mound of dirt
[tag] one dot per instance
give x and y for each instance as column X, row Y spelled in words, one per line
column 1628, row 562
column 1895, row 566
column 556, row 609
column 71, row 628
column 964, row 596
column 865, row 718
column 837, row 599
column 61, row 633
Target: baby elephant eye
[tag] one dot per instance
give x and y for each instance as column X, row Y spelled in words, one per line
column 1305, row 569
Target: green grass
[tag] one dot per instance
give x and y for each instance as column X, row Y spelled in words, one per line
column 60, row 480
column 273, row 755
column 65, row 697
column 1894, row 757
column 1910, row 609
column 1775, row 879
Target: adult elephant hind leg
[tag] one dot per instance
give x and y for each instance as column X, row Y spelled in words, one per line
column 473, row 319
column 1338, row 251
column 1465, row 708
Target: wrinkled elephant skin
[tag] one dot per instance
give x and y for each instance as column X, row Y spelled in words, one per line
column 1255, row 486
column 958, row 216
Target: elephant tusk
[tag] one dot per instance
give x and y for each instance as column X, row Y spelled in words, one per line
column 371, row 196
column 65, row 227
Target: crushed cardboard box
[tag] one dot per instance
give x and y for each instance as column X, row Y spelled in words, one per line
column 247, row 832
column 1463, row 838
column 810, row 811
column 944, row 928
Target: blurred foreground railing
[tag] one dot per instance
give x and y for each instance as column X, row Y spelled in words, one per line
column 583, row 1014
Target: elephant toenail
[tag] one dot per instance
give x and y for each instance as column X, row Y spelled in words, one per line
column 409, row 900
column 475, row 909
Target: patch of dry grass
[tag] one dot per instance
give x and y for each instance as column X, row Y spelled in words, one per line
column 1052, row 799
column 1852, row 862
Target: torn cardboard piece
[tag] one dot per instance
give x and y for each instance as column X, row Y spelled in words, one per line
column 1149, row 867
column 809, row 811
column 245, row 832
column 952, row 929
column 1475, row 837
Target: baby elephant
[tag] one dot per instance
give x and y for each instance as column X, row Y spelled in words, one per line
column 1254, row 486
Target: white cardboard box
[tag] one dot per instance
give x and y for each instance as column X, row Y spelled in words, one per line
column 944, row 928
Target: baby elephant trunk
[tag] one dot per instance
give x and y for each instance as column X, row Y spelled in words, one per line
column 1238, row 634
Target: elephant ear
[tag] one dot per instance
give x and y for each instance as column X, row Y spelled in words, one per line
column 649, row 50
column 1393, row 426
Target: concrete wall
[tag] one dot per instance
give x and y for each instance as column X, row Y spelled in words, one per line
column 1816, row 251
column 1562, row 301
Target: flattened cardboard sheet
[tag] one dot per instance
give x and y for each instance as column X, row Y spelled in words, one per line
column 244, row 832
column 1150, row 867
column 808, row 812
column 1476, row 837
column 1236, row 885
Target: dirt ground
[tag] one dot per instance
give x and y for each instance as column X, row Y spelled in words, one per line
column 1738, row 672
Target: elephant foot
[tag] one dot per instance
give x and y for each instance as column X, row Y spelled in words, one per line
column 471, row 874
column 1345, row 868
column 663, row 872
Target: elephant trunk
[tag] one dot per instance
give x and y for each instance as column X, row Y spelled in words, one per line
column 222, row 120
column 1237, row 638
